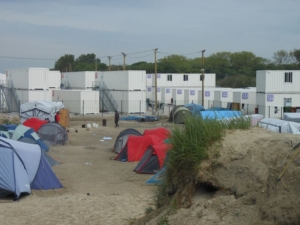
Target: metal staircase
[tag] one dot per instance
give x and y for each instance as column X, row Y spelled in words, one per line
column 107, row 101
column 9, row 98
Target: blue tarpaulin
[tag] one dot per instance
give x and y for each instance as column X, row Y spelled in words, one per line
column 220, row 114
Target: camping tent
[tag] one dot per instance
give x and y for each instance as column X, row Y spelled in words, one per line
column 34, row 123
column 24, row 167
column 53, row 134
column 194, row 108
column 179, row 115
column 40, row 109
column 280, row 126
column 161, row 132
column 21, row 132
column 171, row 117
column 123, row 137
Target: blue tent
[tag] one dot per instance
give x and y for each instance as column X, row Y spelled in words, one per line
column 194, row 108
column 219, row 114
column 21, row 132
column 24, row 167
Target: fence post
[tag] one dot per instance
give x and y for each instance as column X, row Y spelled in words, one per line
column 247, row 109
column 83, row 108
column 19, row 107
column 102, row 106
column 175, row 102
column 140, row 107
column 281, row 109
column 121, row 107
column 269, row 111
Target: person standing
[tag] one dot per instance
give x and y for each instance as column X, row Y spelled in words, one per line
column 117, row 117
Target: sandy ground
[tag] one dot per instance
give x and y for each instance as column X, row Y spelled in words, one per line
column 97, row 190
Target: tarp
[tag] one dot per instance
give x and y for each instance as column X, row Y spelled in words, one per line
column 194, row 108
column 219, row 114
column 34, row 123
column 293, row 117
column 280, row 126
column 40, row 109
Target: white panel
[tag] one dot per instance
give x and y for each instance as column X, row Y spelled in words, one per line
column 190, row 96
column 273, row 81
column 54, row 79
column 78, row 101
column 29, row 78
column 80, row 80
column 33, row 95
column 178, row 96
column 166, row 95
column 136, row 102
column 137, row 80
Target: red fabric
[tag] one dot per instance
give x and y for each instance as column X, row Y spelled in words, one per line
column 57, row 118
column 161, row 151
column 161, row 132
column 34, row 123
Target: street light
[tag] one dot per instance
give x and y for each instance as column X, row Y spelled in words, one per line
column 202, row 76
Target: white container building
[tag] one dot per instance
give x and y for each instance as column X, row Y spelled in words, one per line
column 78, row 101
column 130, row 101
column 33, row 95
column 166, row 95
column 272, row 105
column 159, row 94
column 29, row 78
column 247, row 99
column 184, row 80
column 278, row 81
column 223, row 97
column 149, row 86
column 209, row 94
column 54, row 79
column 79, row 80
column 190, row 96
column 178, row 96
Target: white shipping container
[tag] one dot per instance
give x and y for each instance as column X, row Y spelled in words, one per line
column 158, row 94
column 149, row 94
column 166, row 95
column 130, row 101
column 33, row 95
column 123, row 80
column 54, row 79
column 79, row 80
column 223, row 97
column 278, row 81
column 29, row 78
column 184, row 80
column 246, row 98
column 208, row 98
column 149, row 80
column 271, row 105
column 178, row 96
column 78, row 101
column 190, row 96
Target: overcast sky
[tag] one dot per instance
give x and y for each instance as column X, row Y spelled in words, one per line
column 49, row 29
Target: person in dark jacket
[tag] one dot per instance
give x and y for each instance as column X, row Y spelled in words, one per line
column 117, row 117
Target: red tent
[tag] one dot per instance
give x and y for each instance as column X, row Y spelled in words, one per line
column 34, row 123
column 160, row 132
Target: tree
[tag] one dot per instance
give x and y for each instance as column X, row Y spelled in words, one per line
column 238, row 81
column 296, row 55
column 64, row 63
column 281, row 57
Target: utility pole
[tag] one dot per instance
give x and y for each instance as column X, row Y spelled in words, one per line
column 155, row 69
column 70, row 67
column 124, row 55
column 202, row 77
column 109, row 57
column 96, row 64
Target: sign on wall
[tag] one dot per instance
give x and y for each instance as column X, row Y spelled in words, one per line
column 192, row 92
column 179, row 91
column 168, row 90
column 158, row 89
column 244, row 95
column 149, row 89
column 158, row 75
column 207, row 93
column 224, row 94
column 149, row 76
column 270, row 98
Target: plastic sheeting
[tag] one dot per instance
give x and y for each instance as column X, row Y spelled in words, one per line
column 280, row 126
column 40, row 109
column 293, row 117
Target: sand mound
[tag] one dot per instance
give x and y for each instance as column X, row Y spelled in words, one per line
column 245, row 174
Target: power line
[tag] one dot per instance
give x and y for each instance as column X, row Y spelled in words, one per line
column 139, row 56
column 179, row 54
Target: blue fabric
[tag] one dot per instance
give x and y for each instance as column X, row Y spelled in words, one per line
column 43, row 146
column 194, row 108
column 144, row 118
column 157, row 178
column 45, row 178
column 10, row 126
column 219, row 114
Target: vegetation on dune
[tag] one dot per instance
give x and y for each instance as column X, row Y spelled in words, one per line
column 190, row 146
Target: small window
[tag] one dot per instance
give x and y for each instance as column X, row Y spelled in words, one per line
column 185, row 77
column 201, row 77
column 288, row 77
column 169, row 77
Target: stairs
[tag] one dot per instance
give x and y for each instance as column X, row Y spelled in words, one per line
column 107, row 101
column 9, row 100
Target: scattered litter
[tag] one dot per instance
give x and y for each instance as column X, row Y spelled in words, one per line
column 94, row 134
column 83, row 125
column 124, row 160
column 88, row 125
column 101, row 140
column 107, row 138
column 76, row 131
column 88, row 163
column 87, row 193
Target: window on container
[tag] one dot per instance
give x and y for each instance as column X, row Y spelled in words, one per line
column 201, row 77
column 288, row 77
column 287, row 102
column 169, row 77
column 185, row 77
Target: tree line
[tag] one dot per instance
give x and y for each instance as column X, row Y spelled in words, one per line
column 235, row 70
